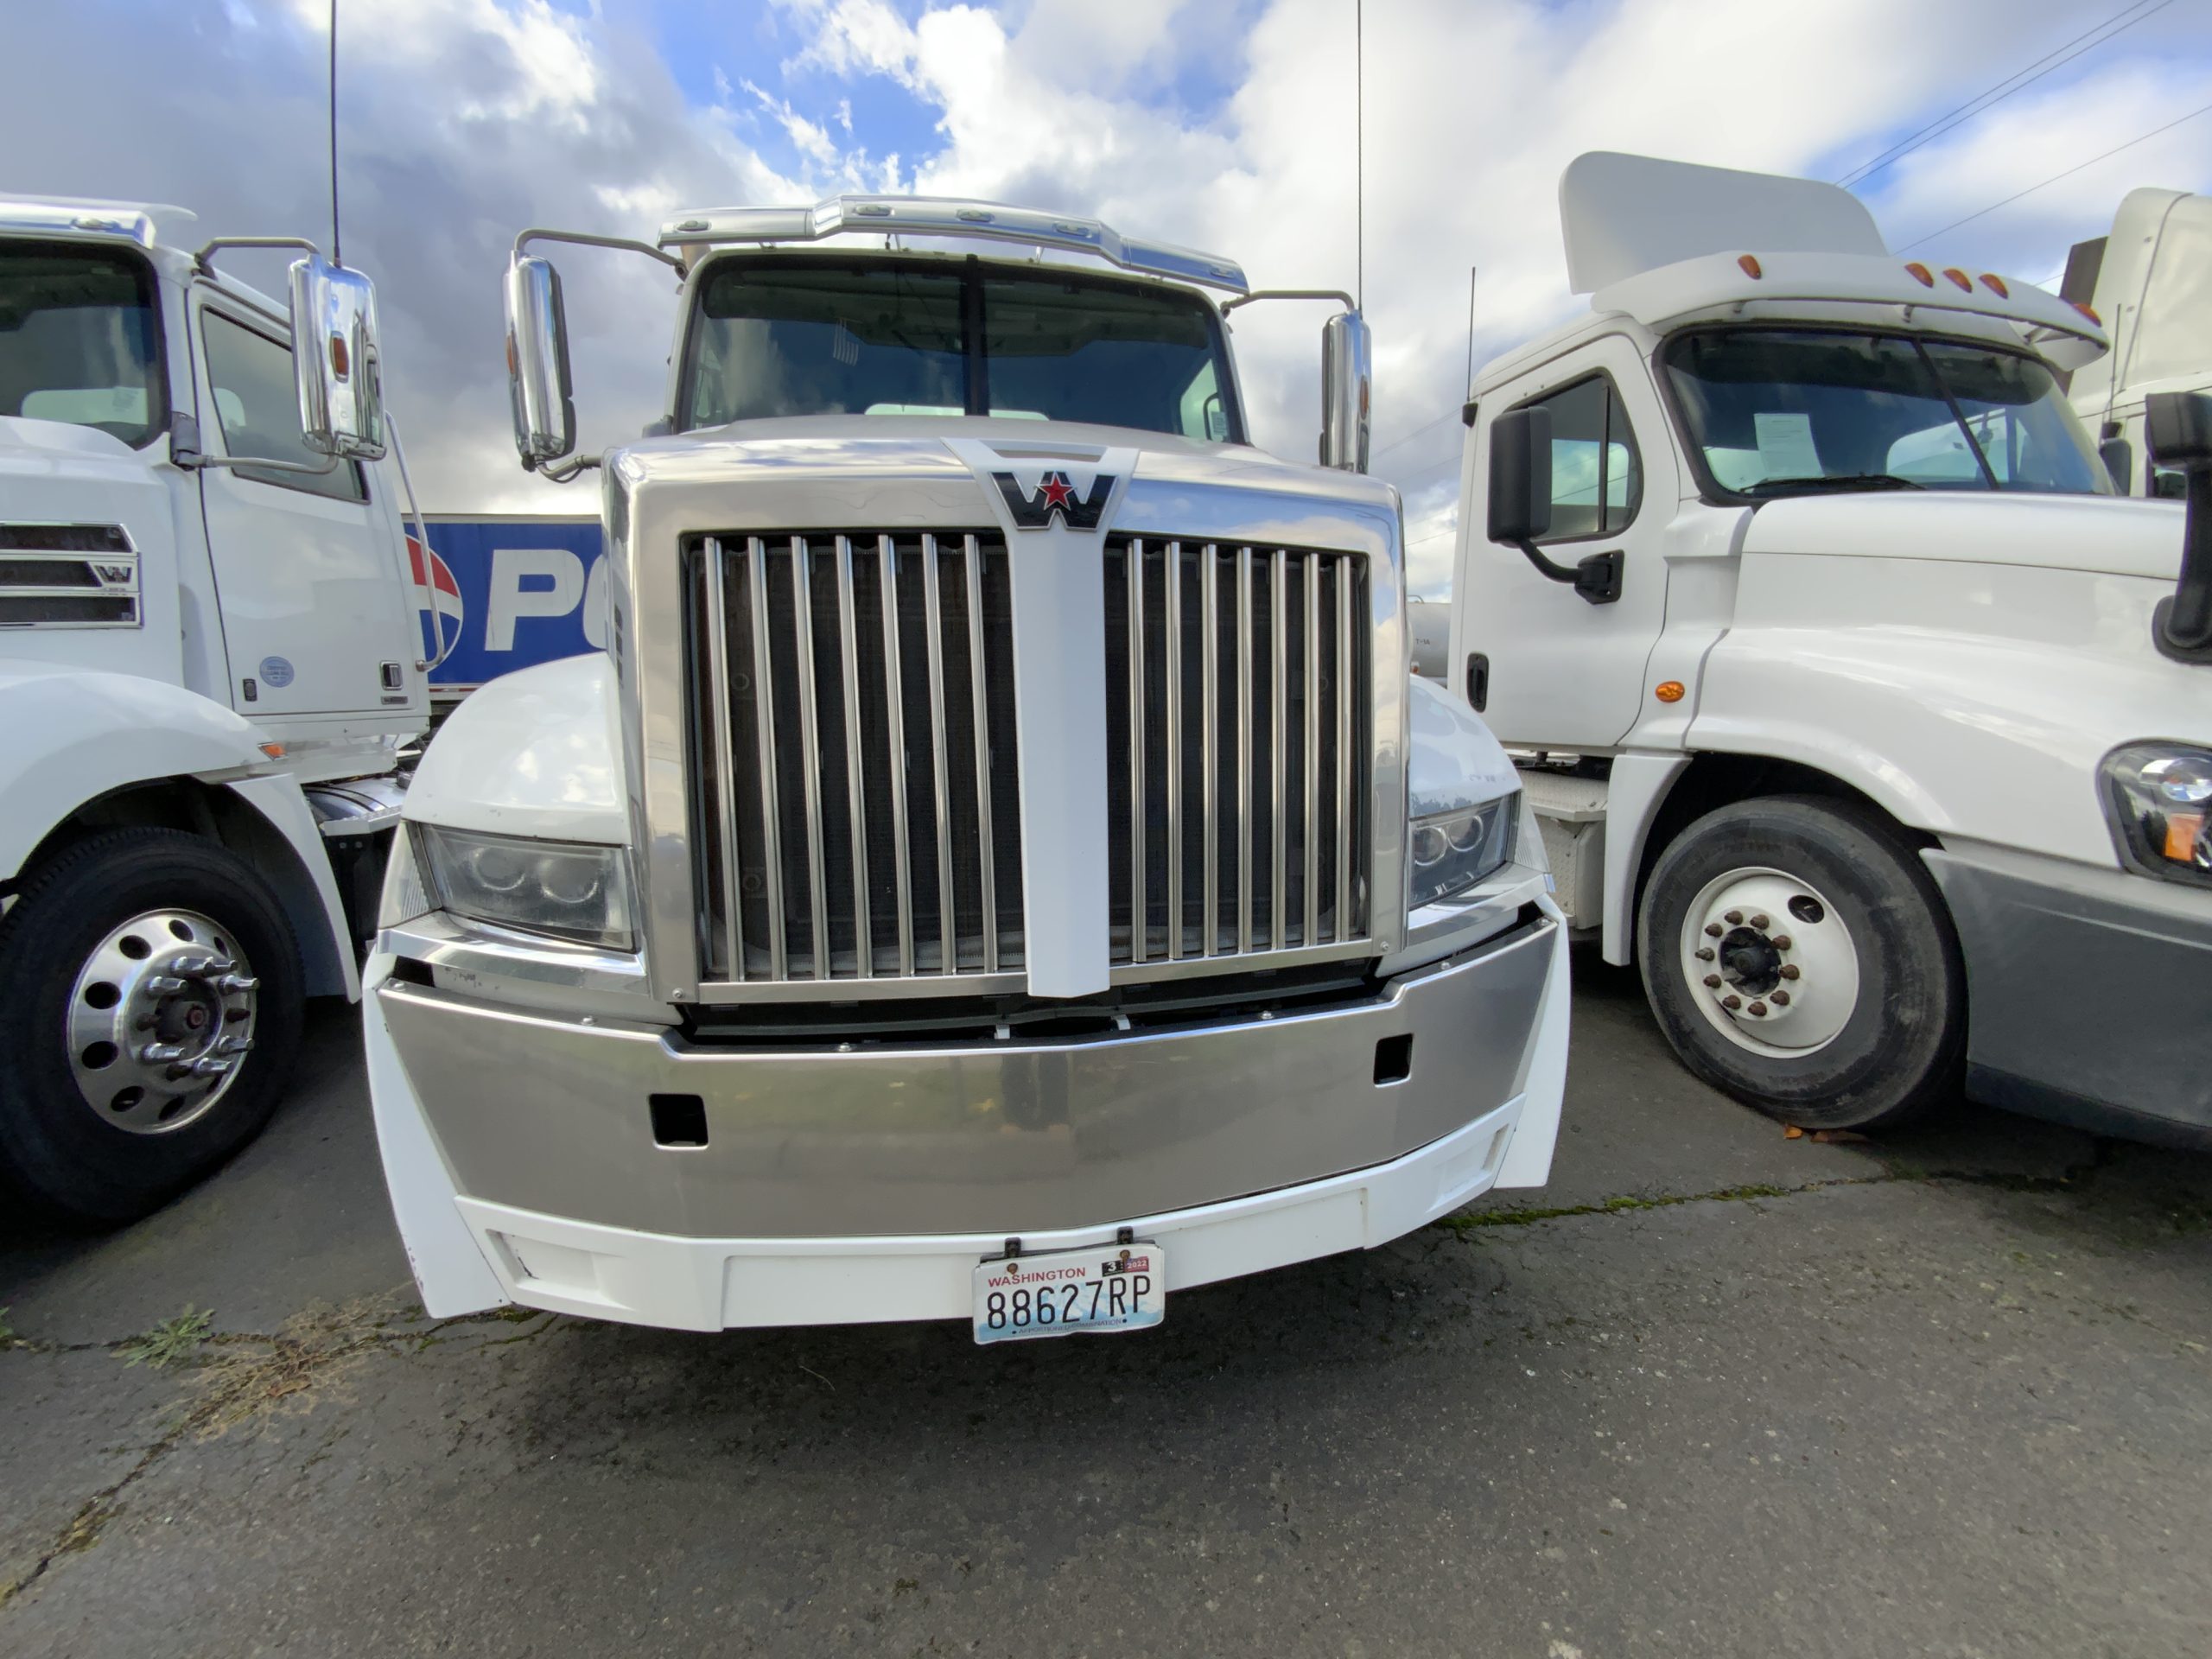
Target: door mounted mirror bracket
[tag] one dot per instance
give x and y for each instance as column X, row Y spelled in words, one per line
column 1596, row 578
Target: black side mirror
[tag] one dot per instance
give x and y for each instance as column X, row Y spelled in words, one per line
column 1521, row 476
column 1521, row 503
column 2118, row 458
column 2177, row 431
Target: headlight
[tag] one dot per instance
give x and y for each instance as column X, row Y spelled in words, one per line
column 1452, row 852
column 2158, row 797
column 572, row 891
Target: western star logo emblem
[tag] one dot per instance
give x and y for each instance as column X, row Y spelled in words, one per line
column 1055, row 494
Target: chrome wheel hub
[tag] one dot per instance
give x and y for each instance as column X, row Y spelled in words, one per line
column 159, row 1020
column 1770, row 962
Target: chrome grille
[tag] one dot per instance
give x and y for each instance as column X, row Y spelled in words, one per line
column 856, row 802
column 1237, row 731
column 67, row 575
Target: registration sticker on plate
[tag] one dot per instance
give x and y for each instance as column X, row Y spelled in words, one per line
column 1066, row 1293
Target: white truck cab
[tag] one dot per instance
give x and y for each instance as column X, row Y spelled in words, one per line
column 1855, row 708
column 2150, row 281
column 209, row 656
column 1000, row 867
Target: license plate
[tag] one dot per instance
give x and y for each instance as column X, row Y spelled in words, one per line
column 1066, row 1293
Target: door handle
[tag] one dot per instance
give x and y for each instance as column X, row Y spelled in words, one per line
column 1478, row 680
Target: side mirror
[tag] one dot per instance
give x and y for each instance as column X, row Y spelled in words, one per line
column 1347, row 377
column 335, row 359
column 2177, row 432
column 1521, row 476
column 2119, row 462
column 537, row 363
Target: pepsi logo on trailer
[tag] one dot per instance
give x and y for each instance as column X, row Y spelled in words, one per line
column 498, row 595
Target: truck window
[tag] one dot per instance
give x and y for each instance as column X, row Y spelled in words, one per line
column 258, row 409
column 789, row 336
column 78, row 340
column 1597, row 476
column 1773, row 411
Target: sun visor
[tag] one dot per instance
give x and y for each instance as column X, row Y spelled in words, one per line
column 1626, row 214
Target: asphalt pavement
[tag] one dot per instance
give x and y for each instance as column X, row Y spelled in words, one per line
column 1713, row 1391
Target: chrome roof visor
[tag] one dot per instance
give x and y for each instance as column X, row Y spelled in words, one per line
column 947, row 216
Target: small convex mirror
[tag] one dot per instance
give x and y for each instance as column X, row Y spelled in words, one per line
column 537, row 363
column 1347, row 358
column 335, row 359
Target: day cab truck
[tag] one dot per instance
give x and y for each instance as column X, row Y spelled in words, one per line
column 999, row 868
column 1856, row 708
column 209, row 657
column 2149, row 281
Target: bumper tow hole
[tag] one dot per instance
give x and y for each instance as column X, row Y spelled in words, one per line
column 1394, row 1059
column 678, row 1120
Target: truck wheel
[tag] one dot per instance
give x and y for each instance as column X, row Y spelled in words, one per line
column 150, row 1010
column 1798, row 957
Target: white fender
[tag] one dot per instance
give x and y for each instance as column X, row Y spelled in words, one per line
column 69, row 736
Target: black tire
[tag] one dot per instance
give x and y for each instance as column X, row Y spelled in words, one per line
column 60, row 1158
column 1900, row 1051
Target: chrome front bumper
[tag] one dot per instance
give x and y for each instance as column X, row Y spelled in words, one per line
column 1272, row 1137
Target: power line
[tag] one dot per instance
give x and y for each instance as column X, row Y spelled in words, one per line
column 2057, row 58
column 2055, row 177
column 1425, row 428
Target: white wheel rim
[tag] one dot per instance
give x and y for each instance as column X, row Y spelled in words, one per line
column 1769, row 962
column 159, row 1020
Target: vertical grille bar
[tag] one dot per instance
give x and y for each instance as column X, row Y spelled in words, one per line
column 1210, row 744
column 895, row 686
column 764, row 703
column 1244, row 749
column 973, row 559
column 948, row 944
column 811, row 748
column 1309, row 823
column 1278, row 748
column 1140, row 909
column 1347, row 685
column 1174, row 571
column 855, row 788
column 725, row 758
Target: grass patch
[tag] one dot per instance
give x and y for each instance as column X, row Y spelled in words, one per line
column 170, row 1342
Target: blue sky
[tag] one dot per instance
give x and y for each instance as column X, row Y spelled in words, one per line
column 1225, row 124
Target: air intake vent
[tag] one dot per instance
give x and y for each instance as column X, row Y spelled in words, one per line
column 67, row 576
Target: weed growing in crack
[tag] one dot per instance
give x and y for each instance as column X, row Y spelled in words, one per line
column 170, row 1341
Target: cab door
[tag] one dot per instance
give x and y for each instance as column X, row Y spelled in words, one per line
column 314, row 613
column 1547, row 668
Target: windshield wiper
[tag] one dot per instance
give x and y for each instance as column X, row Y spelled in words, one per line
column 1836, row 481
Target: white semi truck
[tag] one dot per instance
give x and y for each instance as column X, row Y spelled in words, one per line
column 1857, row 710
column 1000, row 867
column 2150, row 282
column 209, row 656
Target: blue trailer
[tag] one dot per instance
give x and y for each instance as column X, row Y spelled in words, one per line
column 505, row 593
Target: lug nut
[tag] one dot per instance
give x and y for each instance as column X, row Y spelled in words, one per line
column 1704, row 954
column 1759, row 1008
column 155, row 1053
column 1789, row 971
column 1780, row 999
column 234, row 984
column 1712, row 982
column 203, row 962
column 1760, row 923
column 163, row 984
column 1731, row 1003
column 1713, row 930
column 210, row 1067
column 1780, row 941
column 240, row 1045
column 1734, row 919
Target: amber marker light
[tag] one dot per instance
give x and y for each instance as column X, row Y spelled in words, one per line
column 274, row 751
column 1669, row 691
column 1958, row 279
column 1921, row 274
column 2087, row 311
column 2182, row 830
column 1750, row 262
column 1996, row 285
column 339, row 365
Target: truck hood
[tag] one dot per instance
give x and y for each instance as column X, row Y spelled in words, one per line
column 2113, row 535
column 861, row 460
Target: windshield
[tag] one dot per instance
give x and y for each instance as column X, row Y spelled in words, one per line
column 77, row 341
column 802, row 336
column 1778, row 411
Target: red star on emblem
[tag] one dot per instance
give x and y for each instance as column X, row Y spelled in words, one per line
column 1056, row 491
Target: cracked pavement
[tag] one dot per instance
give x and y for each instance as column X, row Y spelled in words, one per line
column 1712, row 1391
